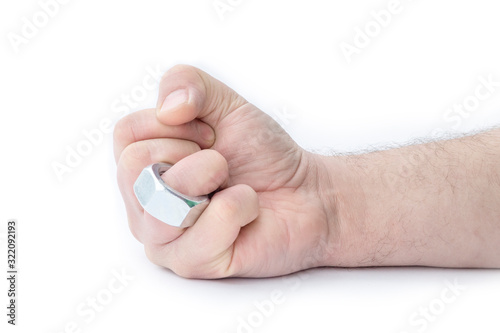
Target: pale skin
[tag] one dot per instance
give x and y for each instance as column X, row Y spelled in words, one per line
column 279, row 209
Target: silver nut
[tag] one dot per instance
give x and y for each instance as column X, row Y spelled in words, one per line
column 165, row 203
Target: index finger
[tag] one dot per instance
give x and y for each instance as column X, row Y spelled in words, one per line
column 143, row 125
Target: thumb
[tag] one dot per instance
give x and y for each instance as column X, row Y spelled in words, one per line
column 187, row 93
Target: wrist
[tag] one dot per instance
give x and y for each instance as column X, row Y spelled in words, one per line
column 357, row 236
column 336, row 193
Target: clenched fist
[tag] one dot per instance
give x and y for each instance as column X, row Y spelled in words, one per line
column 267, row 216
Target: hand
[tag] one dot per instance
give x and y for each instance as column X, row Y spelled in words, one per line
column 267, row 218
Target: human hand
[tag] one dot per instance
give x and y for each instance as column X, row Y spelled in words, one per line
column 268, row 216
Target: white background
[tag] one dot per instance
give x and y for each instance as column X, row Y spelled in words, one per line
column 283, row 56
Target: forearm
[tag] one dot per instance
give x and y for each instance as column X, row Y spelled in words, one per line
column 436, row 204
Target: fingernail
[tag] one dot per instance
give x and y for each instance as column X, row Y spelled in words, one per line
column 174, row 99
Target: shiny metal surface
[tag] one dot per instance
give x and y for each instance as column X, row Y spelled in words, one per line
column 165, row 203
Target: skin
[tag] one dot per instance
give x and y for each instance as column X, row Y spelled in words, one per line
column 279, row 209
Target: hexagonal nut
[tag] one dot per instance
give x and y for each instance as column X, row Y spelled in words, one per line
column 165, row 203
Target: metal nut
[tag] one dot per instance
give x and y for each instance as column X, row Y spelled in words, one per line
column 165, row 203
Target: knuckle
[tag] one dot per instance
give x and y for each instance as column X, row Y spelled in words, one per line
column 152, row 253
column 158, row 255
column 185, row 271
column 185, row 265
column 137, row 151
column 190, row 266
column 134, row 229
column 199, row 271
column 124, row 129
column 179, row 69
